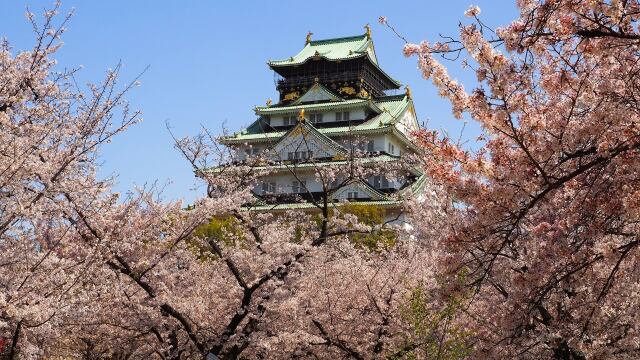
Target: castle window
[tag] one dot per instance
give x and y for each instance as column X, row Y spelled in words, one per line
column 370, row 146
column 352, row 195
column 252, row 151
column 300, row 155
column 342, row 116
column 392, row 148
column 289, row 120
column 315, row 118
column 298, row 186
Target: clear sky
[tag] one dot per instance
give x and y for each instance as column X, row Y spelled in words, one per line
column 208, row 63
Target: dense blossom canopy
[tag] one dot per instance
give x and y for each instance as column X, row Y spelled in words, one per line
column 87, row 273
column 526, row 248
column 546, row 226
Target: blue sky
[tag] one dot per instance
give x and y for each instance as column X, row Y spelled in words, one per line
column 208, row 63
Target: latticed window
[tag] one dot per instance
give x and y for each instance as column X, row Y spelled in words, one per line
column 352, row 194
column 300, row 155
column 342, row 116
column 298, row 186
column 315, row 117
column 289, row 120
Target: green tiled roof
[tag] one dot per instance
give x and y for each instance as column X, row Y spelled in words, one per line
column 391, row 107
column 307, row 205
column 314, row 164
column 344, row 48
column 322, row 137
column 272, row 110
column 415, row 188
column 288, row 165
column 332, row 49
column 363, row 185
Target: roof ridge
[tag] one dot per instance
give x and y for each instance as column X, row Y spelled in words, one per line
column 323, row 137
column 335, row 97
column 335, row 40
column 364, row 184
column 390, row 97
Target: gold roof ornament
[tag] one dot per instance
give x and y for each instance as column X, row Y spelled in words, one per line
column 368, row 29
column 294, row 95
column 408, row 91
column 269, row 101
column 347, row 90
column 301, row 115
column 309, row 37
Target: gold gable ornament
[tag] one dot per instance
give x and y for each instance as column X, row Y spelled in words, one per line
column 347, row 90
column 292, row 96
column 408, row 91
column 301, row 115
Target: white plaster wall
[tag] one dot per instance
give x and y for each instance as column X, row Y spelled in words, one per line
column 284, row 183
column 327, row 116
column 390, row 139
column 407, row 123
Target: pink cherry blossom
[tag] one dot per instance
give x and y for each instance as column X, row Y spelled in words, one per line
column 472, row 11
column 545, row 227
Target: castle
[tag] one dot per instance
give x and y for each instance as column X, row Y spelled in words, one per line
column 333, row 98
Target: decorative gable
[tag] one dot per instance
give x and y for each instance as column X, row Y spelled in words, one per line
column 357, row 190
column 317, row 93
column 408, row 123
column 304, row 142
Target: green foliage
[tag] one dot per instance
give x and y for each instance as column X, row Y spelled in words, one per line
column 435, row 334
column 371, row 215
column 225, row 230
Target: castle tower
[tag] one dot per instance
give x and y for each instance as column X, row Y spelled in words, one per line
column 330, row 93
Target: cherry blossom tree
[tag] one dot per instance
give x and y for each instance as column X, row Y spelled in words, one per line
column 254, row 284
column 544, row 230
column 88, row 273
column 249, row 284
column 50, row 135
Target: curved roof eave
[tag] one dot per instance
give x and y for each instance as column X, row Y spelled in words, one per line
column 392, row 80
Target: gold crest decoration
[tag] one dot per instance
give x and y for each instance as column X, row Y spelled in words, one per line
column 292, row 96
column 347, row 90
